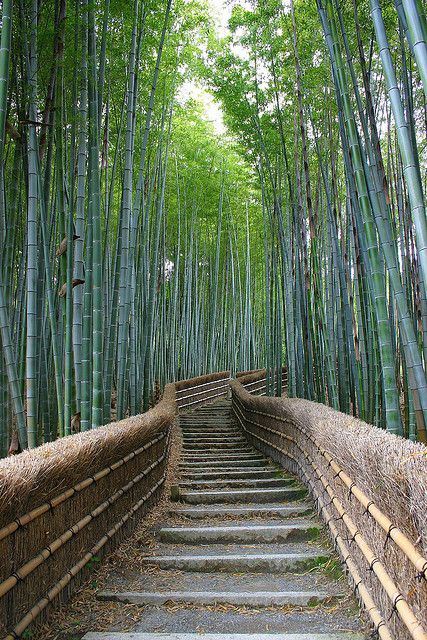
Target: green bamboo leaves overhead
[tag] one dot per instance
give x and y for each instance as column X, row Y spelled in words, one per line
column 141, row 242
column 342, row 183
column 101, row 301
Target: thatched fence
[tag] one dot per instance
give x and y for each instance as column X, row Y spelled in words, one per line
column 259, row 381
column 371, row 490
column 192, row 392
column 67, row 503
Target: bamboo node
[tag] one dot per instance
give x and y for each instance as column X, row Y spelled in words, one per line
column 368, row 506
column 388, row 536
column 423, row 573
column 350, row 490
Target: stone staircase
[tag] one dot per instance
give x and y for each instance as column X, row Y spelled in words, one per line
column 245, row 559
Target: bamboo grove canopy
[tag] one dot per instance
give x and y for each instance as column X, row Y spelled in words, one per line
column 143, row 241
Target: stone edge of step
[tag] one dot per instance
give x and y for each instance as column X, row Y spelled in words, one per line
column 255, row 598
column 117, row 635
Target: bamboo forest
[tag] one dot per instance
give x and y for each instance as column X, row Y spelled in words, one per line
column 213, row 320
column 187, row 188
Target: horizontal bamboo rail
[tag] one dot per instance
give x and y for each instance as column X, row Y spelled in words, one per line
column 199, row 392
column 66, row 495
column 180, row 396
column 246, row 385
column 204, row 391
column 378, row 621
column 392, row 531
column 199, row 386
column 26, row 569
column 395, row 596
column 25, row 622
column 209, row 398
column 254, row 386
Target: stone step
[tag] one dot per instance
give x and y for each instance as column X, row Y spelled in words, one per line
column 243, row 533
column 162, row 581
column 220, row 418
column 253, row 511
column 251, row 473
column 237, row 482
column 215, row 436
column 245, row 560
column 210, row 447
column 131, row 635
column 214, row 449
column 221, row 457
column 202, row 421
column 223, row 422
column 230, row 464
column 207, row 424
column 220, row 460
column 236, row 598
column 243, row 495
column 211, row 430
column 228, row 448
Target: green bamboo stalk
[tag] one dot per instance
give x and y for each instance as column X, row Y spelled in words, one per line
column 32, row 233
column 94, row 213
column 391, row 399
column 416, row 24
column 125, row 221
column 415, row 191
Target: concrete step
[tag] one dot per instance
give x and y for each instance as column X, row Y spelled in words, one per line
column 246, row 559
column 165, row 581
column 225, row 448
column 221, row 457
column 252, row 473
column 120, row 635
column 206, row 421
column 243, row 533
column 243, row 495
column 227, row 464
column 212, row 435
column 240, row 510
column 211, row 432
column 210, row 447
column 242, row 598
column 210, row 425
column 237, row 482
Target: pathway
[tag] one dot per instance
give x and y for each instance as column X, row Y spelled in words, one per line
column 247, row 559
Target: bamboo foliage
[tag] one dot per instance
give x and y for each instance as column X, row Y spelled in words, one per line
column 140, row 246
column 346, row 202
column 100, row 302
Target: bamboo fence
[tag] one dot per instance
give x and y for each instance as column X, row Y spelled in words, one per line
column 369, row 487
column 66, row 504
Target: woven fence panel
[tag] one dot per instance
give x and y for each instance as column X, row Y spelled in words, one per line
column 340, row 458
